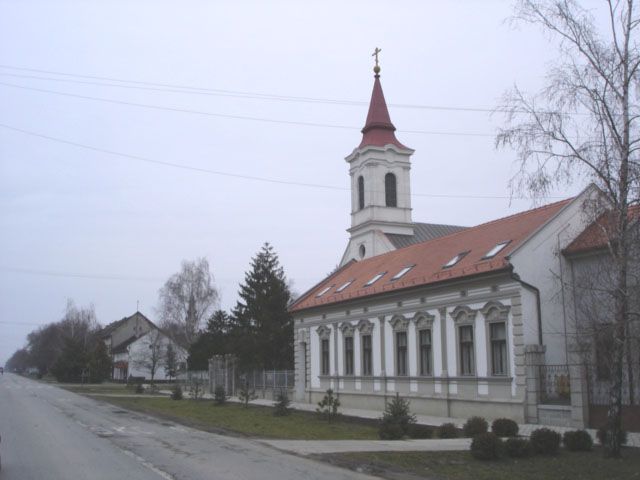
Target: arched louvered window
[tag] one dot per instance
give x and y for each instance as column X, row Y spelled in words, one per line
column 390, row 193
column 360, row 193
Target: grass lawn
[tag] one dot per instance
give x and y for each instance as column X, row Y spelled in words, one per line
column 462, row 466
column 255, row 421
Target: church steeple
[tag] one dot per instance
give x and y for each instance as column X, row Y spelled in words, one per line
column 380, row 183
column 378, row 130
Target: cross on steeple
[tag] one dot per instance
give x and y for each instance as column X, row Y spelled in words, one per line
column 375, row 53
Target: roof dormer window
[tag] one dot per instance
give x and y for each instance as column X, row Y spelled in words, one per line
column 343, row 286
column 375, row 279
column 496, row 250
column 455, row 259
column 323, row 291
column 402, row 272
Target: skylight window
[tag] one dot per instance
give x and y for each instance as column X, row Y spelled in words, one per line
column 374, row 279
column 496, row 250
column 343, row 286
column 324, row 290
column 402, row 272
column 455, row 260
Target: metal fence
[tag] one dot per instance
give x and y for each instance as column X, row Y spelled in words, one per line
column 555, row 384
column 223, row 371
column 188, row 380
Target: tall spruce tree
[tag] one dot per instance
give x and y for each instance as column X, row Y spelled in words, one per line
column 264, row 327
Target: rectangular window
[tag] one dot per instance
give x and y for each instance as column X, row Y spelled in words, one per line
column 498, row 335
column 348, row 355
column 425, row 351
column 401, row 353
column 366, row 356
column 467, row 361
column 324, row 348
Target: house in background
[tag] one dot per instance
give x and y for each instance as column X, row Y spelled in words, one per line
column 126, row 340
column 461, row 321
column 139, row 356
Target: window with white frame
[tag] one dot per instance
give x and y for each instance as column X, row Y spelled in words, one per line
column 348, row 355
column 498, row 338
column 401, row 354
column 424, row 351
column 325, row 356
column 496, row 316
column 367, row 365
column 467, row 360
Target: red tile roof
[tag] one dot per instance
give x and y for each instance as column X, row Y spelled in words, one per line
column 378, row 129
column 595, row 235
column 429, row 258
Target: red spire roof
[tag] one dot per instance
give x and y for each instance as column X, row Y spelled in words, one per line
column 378, row 129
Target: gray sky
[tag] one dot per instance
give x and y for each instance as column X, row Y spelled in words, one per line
column 68, row 214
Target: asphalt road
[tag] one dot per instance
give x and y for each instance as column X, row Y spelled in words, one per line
column 52, row 434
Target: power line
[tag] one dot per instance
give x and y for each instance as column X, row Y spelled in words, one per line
column 235, row 175
column 49, row 273
column 235, row 117
column 168, row 87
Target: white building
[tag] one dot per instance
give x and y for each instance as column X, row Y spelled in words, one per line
column 455, row 319
column 135, row 344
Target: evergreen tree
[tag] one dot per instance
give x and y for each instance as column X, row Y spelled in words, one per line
column 263, row 325
column 217, row 339
column 99, row 363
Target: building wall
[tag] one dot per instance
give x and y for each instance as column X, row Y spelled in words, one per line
column 138, row 353
column 135, row 325
column 445, row 393
column 540, row 263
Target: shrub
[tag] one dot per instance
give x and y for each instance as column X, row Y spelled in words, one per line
column 577, row 441
column 176, row 392
column 603, row 436
column 504, row 427
column 486, row 446
column 139, row 388
column 219, row 395
column 517, row 447
column 246, row 394
column 448, row 430
column 545, row 441
column 475, row 426
column 281, row 407
column 328, row 406
column 396, row 419
column 196, row 390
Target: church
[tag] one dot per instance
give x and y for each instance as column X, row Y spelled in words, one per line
column 461, row 321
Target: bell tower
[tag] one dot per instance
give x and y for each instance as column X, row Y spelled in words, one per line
column 380, row 182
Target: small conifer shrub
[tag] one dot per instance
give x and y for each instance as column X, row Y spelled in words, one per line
column 504, row 427
column 545, row 441
column 475, row 426
column 396, row 420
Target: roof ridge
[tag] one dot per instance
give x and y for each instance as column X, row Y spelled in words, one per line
column 501, row 219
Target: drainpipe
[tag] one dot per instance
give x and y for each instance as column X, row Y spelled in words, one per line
column 536, row 291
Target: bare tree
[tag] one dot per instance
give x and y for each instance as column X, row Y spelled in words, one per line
column 584, row 124
column 149, row 356
column 186, row 298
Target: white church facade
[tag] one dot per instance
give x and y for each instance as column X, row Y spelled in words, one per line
column 455, row 319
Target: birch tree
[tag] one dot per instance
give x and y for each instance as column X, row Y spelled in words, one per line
column 186, row 298
column 584, row 125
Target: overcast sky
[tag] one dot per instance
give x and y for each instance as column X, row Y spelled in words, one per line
column 105, row 229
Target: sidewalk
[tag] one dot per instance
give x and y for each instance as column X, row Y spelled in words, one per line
column 307, row 447
column 525, row 430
